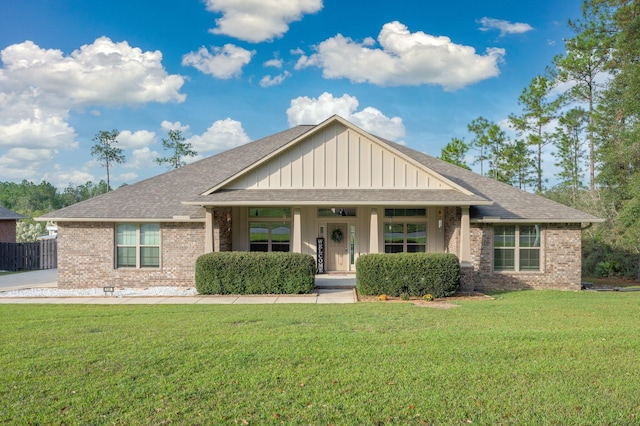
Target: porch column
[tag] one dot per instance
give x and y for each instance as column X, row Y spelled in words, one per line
column 297, row 231
column 216, row 230
column 465, row 237
column 208, row 230
column 373, row 232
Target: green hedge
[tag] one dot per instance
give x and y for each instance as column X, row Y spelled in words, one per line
column 416, row 274
column 255, row 273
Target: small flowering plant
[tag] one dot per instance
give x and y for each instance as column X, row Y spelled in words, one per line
column 428, row 297
column 382, row 297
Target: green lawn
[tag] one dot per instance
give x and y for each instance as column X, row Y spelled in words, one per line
column 530, row 357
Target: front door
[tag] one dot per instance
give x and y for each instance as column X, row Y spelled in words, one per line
column 338, row 247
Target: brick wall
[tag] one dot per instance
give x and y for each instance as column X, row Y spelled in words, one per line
column 561, row 257
column 561, row 261
column 7, row 231
column 222, row 229
column 86, row 256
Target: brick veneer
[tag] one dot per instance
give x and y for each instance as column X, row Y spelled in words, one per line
column 86, row 256
column 8, row 231
column 561, row 260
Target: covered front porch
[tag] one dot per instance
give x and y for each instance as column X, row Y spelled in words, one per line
column 337, row 234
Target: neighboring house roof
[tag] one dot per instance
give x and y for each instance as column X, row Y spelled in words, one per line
column 180, row 194
column 6, row 214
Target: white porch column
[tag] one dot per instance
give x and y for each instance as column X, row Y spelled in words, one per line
column 373, row 232
column 297, row 231
column 465, row 237
column 208, row 230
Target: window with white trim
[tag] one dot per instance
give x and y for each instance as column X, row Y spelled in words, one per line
column 137, row 245
column 516, row 248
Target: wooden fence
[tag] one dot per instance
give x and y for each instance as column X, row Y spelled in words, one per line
column 29, row 256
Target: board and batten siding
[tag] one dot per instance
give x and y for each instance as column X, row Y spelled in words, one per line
column 338, row 157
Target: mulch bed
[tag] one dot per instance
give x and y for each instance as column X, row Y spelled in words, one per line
column 443, row 303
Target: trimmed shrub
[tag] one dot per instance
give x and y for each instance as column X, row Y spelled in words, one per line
column 413, row 273
column 255, row 273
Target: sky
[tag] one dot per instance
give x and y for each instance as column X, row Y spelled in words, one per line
column 226, row 72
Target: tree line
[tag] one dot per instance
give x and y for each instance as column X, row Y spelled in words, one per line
column 586, row 105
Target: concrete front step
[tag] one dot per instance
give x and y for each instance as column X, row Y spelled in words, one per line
column 335, row 281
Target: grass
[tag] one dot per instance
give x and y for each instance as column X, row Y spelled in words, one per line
column 530, row 357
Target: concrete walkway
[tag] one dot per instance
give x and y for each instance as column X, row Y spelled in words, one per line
column 336, row 290
column 321, row 297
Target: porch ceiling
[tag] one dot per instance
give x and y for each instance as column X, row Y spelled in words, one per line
column 405, row 197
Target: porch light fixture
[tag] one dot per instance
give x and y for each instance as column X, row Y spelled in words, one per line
column 229, row 216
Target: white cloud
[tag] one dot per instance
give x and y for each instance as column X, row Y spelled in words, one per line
column 505, row 27
column 305, row 110
column 404, row 58
column 103, row 72
column 275, row 63
column 223, row 62
column 124, row 177
column 39, row 88
column 268, row 81
column 167, row 125
column 258, row 20
column 222, row 135
column 139, row 139
column 142, row 158
column 29, row 126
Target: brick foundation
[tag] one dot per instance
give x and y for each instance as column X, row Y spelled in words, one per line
column 86, row 256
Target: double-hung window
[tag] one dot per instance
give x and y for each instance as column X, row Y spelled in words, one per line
column 138, row 245
column 516, row 248
column 408, row 234
column 269, row 229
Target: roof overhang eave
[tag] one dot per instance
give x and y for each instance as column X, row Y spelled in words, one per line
column 121, row 219
column 534, row 220
column 336, row 202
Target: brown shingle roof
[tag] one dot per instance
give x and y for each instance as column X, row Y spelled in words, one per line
column 509, row 203
column 162, row 197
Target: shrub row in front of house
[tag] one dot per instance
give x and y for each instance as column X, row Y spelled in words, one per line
column 255, row 273
column 415, row 274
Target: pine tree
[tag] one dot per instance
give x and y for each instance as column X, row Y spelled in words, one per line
column 106, row 151
column 178, row 148
column 538, row 112
column 454, row 152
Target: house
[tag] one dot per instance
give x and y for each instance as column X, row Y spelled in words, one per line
column 330, row 190
column 8, row 220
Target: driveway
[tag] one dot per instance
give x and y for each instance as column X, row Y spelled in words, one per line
column 30, row 279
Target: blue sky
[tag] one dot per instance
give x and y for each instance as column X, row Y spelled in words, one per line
column 226, row 72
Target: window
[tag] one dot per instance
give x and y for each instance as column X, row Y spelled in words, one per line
column 405, row 237
column 278, row 212
column 405, row 212
column 516, row 248
column 337, row 211
column 138, row 246
column 269, row 236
